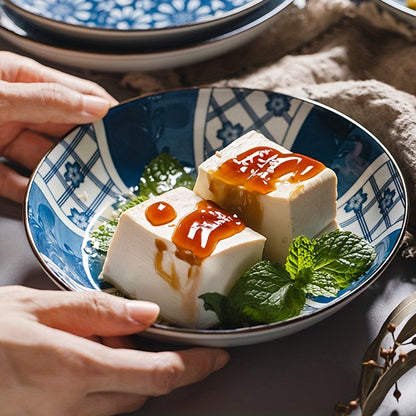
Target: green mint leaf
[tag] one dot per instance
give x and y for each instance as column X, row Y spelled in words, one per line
column 322, row 284
column 343, row 255
column 301, row 256
column 162, row 174
column 217, row 303
column 265, row 293
column 269, row 292
column 303, row 277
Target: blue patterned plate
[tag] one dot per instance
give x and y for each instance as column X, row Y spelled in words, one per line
column 79, row 180
column 91, row 56
column 147, row 20
column 400, row 9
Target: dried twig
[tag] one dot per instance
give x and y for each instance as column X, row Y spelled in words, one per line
column 383, row 367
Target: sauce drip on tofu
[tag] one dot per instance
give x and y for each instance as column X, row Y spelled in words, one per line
column 259, row 169
column 160, row 213
column 198, row 233
column 171, row 276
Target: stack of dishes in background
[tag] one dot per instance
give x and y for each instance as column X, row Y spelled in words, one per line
column 404, row 10
column 128, row 35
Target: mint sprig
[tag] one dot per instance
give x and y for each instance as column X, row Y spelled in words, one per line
column 344, row 255
column 265, row 293
column 270, row 292
column 162, row 174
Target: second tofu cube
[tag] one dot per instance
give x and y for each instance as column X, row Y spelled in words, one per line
column 279, row 194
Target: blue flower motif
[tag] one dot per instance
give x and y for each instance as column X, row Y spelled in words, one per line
column 356, row 202
column 180, row 12
column 278, row 104
column 80, row 219
column 129, row 18
column 146, row 5
column 73, row 174
column 228, row 133
column 129, row 14
column 106, row 6
column 387, row 201
column 70, row 11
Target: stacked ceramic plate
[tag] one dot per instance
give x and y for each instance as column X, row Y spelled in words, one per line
column 125, row 35
column 401, row 9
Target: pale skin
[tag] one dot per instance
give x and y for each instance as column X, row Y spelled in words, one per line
column 62, row 353
column 66, row 353
column 38, row 105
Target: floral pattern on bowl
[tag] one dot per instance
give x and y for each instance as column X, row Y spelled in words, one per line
column 132, row 14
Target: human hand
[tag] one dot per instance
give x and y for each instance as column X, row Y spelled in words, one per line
column 38, row 105
column 52, row 364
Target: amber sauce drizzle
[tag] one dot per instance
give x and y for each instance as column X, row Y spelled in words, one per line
column 260, row 168
column 169, row 275
column 198, row 233
column 160, row 213
column 195, row 236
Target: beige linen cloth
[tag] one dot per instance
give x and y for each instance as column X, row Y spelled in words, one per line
column 357, row 59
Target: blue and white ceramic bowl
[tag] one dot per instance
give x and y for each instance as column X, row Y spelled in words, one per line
column 152, row 21
column 96, row 163
column 132, row 14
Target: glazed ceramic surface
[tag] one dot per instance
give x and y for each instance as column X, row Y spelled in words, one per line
column 132, row 57
column 82, row 176
column 156, row 21
column 132, row 14
column 399, row 9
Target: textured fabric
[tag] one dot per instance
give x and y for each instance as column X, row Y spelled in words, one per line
column 357, row 59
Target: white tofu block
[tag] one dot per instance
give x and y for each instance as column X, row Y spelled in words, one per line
column 142, row 262
column 292, row 209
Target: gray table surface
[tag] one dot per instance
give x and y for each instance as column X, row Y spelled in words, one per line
column 302, row 374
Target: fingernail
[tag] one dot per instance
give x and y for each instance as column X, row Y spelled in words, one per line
column 142, row 312
column 95, row 106
column 221, row 359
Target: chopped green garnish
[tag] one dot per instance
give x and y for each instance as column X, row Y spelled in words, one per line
column 132, row 203
column 101, row 236
column 269, row 292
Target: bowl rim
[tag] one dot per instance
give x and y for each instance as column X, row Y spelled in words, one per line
column 73, row 29
column 399, row 7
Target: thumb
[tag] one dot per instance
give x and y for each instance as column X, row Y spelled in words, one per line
column 93, row 313
column 47, row 102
